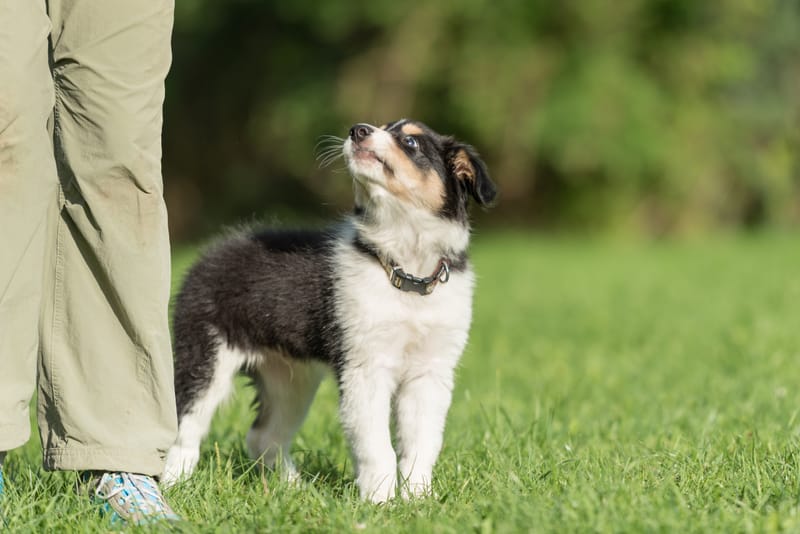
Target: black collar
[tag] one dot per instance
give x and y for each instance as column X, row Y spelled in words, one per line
column 408, row 282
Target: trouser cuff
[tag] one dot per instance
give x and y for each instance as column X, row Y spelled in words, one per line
column 104, row 459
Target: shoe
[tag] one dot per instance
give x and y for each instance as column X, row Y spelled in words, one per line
column 2, row 457
column 2, row 518
column 130, row 498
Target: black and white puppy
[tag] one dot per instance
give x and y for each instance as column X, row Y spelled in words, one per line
column 384, row 300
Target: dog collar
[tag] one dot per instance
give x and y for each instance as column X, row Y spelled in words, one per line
column 408, row 282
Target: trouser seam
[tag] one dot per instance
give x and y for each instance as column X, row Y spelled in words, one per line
column 58, row 275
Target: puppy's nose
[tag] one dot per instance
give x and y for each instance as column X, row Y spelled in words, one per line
column 359, row 132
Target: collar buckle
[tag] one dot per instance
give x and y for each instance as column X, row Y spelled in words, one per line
column 410, row 283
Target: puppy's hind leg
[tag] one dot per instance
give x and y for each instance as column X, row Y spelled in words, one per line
column 200, row 388
column 286, row 388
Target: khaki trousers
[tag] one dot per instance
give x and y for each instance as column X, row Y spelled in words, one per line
column 84, row 249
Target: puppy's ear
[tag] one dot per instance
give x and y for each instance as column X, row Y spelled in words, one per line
column 467, row 167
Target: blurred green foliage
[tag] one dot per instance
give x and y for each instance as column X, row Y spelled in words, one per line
column 643, row 116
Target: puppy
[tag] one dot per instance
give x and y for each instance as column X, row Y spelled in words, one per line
column 384, row 300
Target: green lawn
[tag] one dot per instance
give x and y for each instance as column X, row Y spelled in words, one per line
column 607, row 387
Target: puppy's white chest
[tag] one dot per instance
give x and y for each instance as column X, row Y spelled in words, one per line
column 391, row 327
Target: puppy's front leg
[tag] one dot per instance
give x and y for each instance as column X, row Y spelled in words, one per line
column 422, row 405
column 365, row 406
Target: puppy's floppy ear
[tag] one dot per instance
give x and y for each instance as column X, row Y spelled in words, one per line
column 467, row 167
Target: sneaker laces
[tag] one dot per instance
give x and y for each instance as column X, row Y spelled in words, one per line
column 133, row 498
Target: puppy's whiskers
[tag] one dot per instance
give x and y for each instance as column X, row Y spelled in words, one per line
column 329, row 149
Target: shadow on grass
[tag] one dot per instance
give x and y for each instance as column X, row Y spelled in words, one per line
column 321, row 470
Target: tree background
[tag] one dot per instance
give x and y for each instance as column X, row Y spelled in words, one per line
column 647, row 117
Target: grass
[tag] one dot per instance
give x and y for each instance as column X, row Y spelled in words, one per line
column 607, row 387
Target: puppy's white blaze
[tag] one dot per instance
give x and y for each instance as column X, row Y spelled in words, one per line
column 369, row 169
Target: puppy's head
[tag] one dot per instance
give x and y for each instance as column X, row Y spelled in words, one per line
column 407, row 163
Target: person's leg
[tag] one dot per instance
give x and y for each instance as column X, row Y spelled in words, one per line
column 28, row 184
column 106, row 399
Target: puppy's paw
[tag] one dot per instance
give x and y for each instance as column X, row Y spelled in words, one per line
column 180, row 464
column 377, row 487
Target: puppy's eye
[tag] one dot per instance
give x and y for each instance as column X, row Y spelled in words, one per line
column 410, row 141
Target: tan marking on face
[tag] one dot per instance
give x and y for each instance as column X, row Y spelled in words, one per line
column 383, row 126
column 432, row 191
column 410, row 183
column 462, row 166
column 411, row 129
